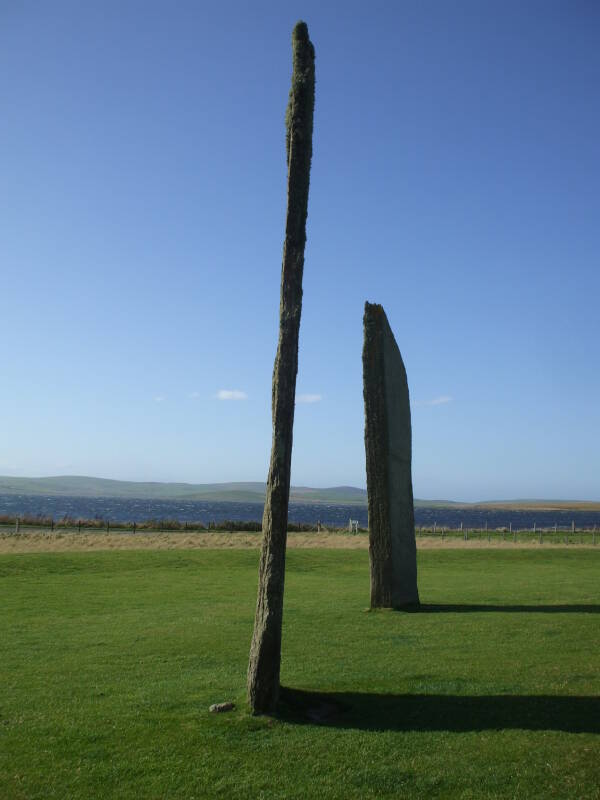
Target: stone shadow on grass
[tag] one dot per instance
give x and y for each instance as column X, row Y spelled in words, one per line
column 463, row 608
column 438, row 712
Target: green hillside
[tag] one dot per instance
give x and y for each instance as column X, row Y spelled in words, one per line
column 244, row 492
column 247, row 492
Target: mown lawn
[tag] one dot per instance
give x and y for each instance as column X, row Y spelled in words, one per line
column 109, row 662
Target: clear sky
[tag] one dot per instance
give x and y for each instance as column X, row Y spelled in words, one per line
column 455, row 180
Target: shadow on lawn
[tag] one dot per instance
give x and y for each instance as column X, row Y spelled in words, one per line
column 460, row 608
column 429, row 712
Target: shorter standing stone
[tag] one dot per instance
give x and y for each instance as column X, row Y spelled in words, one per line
column 388, row 446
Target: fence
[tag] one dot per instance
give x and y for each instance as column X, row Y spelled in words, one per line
column 567, row 535
column 22, row 525
column 553, row 535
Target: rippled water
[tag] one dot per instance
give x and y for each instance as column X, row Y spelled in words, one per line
column 130, row 510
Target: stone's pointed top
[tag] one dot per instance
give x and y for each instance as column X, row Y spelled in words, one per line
column 303, row 49
column 375, row 318
column 373, row 308
column 300, row 32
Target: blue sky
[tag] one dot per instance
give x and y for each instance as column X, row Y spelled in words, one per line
column 454, row 180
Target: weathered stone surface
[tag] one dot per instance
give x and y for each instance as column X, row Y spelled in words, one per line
column 388, row 446
column 219, row 708
column 265, row 649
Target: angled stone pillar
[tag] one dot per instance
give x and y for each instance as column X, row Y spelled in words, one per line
column 388, row 446
column 265, row 649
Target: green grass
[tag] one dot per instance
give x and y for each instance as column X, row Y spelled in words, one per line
column 109, row 662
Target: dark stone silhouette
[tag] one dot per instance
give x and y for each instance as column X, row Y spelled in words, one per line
column 388, row 445
column 265, row 650
column 441, row 712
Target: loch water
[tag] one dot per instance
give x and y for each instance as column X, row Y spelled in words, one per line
column 118, row 509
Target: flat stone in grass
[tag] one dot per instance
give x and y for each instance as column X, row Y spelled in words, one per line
column 219, row 708
column 388, row 446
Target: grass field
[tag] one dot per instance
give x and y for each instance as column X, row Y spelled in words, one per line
column 68, row 540
column 109, row 661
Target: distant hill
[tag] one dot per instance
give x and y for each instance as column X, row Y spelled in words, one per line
column 245, row 492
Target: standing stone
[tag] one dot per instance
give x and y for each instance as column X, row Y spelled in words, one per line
column 388, row 435
column 265, row 650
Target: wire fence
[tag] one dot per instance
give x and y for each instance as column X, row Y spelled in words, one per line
column 571, row 535
column 23, row 525
column 546, row 535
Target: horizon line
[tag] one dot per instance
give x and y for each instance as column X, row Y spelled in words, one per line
column 520, row 500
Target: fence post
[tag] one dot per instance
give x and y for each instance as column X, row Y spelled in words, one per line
column 17, row 526
column 466, row 534
column 442, row 534
column 134, row 526
column 79, row 527
column 515, row 536
column 52, row 525
column 107, row 526
column 541, row 537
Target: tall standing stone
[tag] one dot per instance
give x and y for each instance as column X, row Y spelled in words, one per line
column 265, row 650
column 388, row 445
